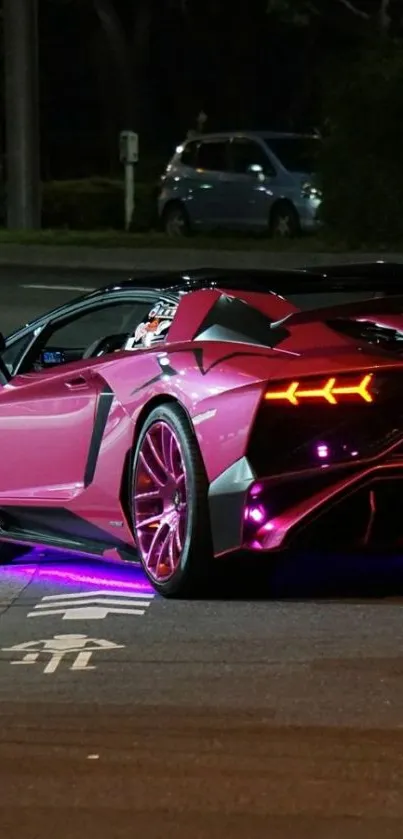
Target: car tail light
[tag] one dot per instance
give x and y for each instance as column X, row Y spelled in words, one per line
column 331, row 390
column 310, row 191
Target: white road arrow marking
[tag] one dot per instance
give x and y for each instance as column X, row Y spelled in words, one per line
column 86, row 613
column 101, row 593
column 92, row 605
column 88, row 601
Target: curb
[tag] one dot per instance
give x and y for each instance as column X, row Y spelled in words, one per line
column 71, row 258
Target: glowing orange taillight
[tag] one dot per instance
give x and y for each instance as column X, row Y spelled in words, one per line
column 295, row 392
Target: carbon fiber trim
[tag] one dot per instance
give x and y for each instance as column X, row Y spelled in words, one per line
column 105, row 400
column 227, row 497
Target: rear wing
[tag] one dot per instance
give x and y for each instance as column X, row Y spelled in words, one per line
column 377, row 278
column 361, row 309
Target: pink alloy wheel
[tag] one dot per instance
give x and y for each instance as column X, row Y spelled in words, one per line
column 160, row 501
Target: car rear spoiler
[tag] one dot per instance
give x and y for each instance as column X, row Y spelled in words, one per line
column 358, row 309
column 379, row 277
column 377, row 270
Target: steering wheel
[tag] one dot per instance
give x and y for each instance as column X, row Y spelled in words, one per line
column 105, row 345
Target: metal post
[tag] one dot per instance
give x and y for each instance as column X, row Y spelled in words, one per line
column 129, row 194
column 22, row 114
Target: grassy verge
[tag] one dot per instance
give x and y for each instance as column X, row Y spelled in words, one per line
column 116, row 239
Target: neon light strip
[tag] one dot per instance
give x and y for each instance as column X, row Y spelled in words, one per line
column 329, row 392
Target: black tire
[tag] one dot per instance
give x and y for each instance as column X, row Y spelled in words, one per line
column 175, row 221
column 194, row 571
column 284, row 221
column 10, row 552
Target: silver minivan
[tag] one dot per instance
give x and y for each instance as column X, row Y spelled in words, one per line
column 245, row 181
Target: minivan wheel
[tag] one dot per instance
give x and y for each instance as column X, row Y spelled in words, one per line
column 176, row 221
column 284, row 221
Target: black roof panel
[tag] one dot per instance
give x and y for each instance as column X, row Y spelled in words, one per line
column 375, row 276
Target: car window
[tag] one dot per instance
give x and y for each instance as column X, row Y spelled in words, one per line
column 15, row 350
column 85, row 329
column 188, row 156
column 245, row 154
column 212, row 155
column 68, row 340
column 297, row 154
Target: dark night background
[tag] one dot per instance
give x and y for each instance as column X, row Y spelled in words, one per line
column 244, row 67
column 153, row 65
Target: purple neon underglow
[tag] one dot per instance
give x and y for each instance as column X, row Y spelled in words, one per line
column 84, row 573
column 108, row 581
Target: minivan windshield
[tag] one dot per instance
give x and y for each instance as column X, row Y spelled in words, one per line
column 297, row 154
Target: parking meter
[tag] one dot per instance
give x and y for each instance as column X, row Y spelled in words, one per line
column 129, row 147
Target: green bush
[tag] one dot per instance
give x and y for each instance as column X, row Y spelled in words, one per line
column 361, row 168
column 95, row 204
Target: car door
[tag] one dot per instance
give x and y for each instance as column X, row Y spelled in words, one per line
column 47, row 415
column 46, row 425
column 207, row 204
column 250, row 183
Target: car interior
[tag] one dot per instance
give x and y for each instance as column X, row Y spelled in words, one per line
column 91, row 334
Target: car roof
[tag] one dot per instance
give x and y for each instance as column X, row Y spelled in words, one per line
column 268, row 135
column 374, row 276
column 383, row 278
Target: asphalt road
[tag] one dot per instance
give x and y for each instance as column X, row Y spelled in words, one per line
column 275, row 710
column 26, row 293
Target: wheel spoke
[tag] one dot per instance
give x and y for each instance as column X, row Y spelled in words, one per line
column 147, row 496
column 156, row 480
column 157, row 457
column 172, row 535
column 147, row 522
column 161, row 559
column 154, row 549
column 160, row 501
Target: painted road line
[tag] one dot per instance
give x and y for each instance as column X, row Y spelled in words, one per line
column 92, row 605
column 81, row 647
column 46, row 287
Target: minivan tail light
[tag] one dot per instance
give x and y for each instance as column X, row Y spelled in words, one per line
column 310, row 191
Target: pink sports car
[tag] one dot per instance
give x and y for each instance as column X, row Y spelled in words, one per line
column 186, row 418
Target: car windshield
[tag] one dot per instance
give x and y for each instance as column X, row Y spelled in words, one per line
column 297, row 154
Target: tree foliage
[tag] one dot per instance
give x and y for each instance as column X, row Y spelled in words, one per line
column 362, row 163
column 127, row 28
column 371, row 14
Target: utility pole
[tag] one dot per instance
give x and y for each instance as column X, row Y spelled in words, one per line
column 22, row 114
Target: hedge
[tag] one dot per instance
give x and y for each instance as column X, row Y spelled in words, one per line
column 95, row 204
